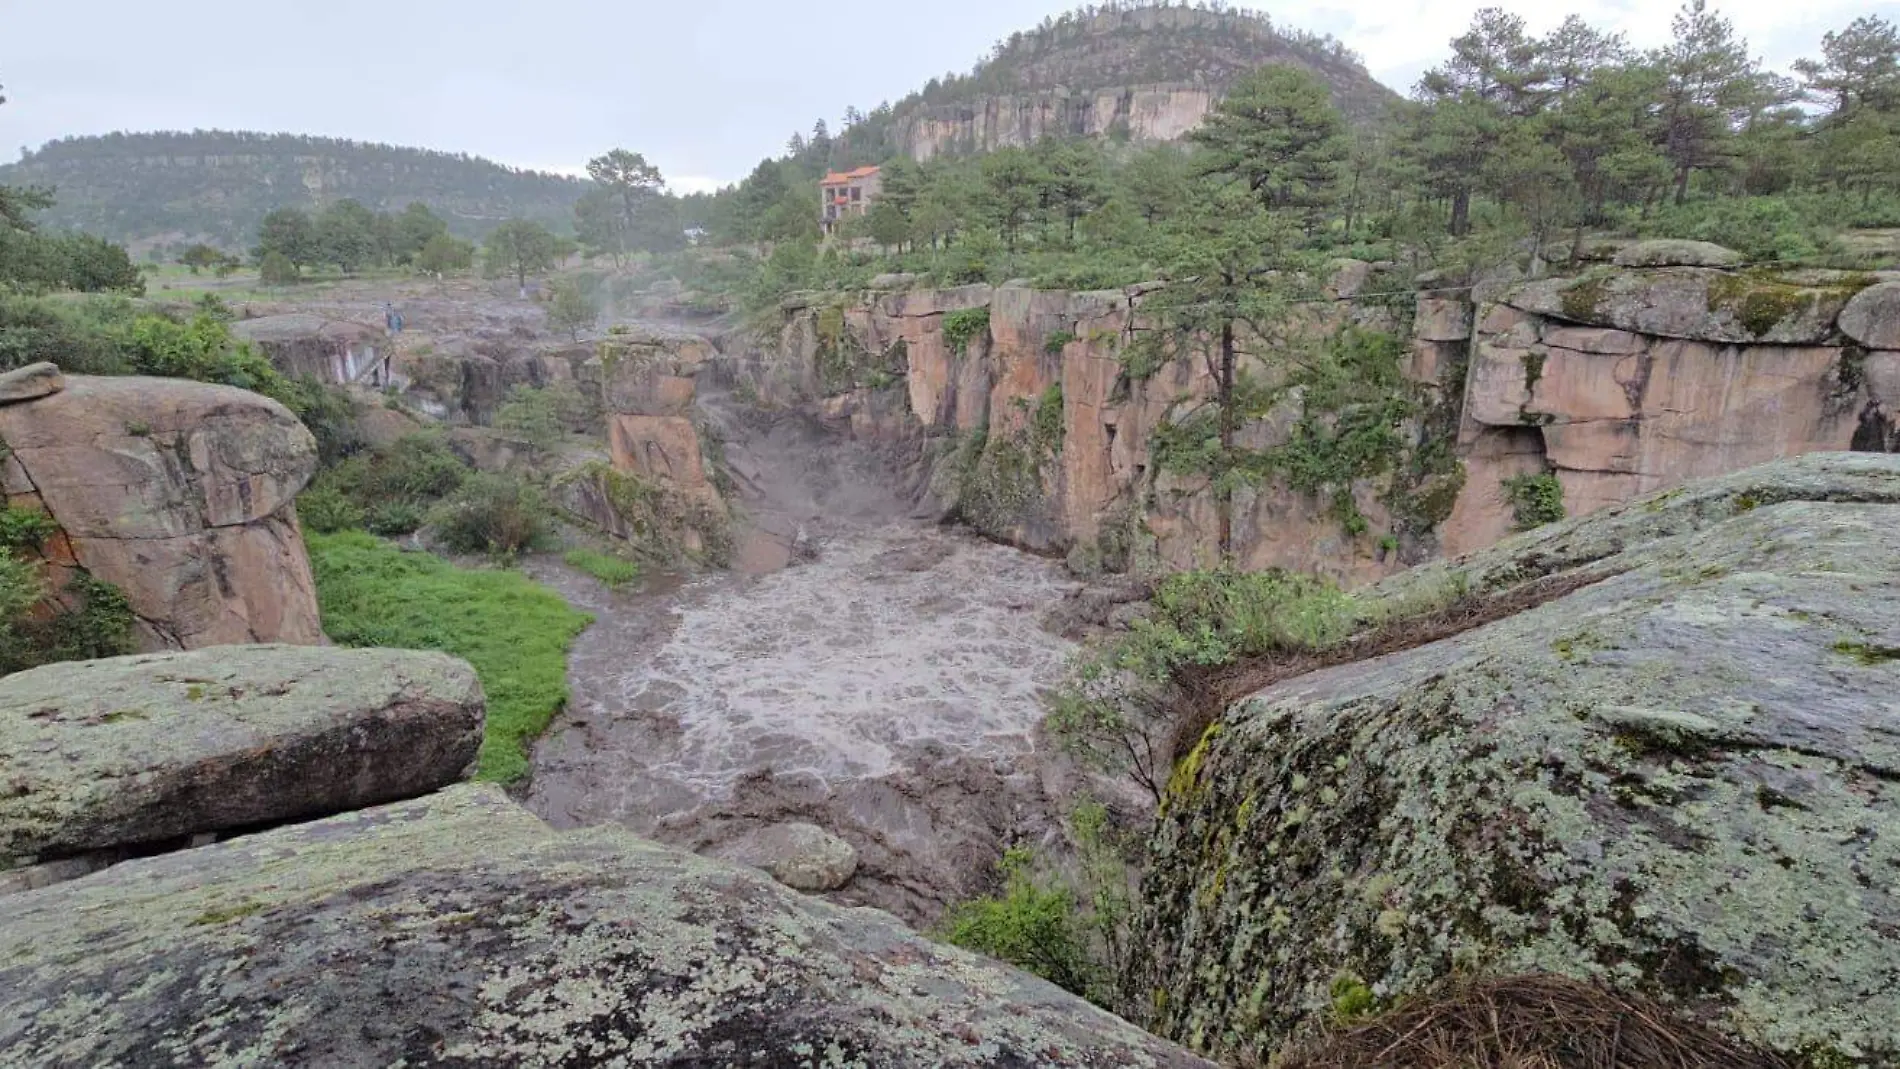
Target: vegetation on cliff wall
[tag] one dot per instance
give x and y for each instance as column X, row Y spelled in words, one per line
column 514, row 631
column 82, row 619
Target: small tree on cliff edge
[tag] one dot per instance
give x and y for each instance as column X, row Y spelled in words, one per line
column 1231, row 270
column 519, row 248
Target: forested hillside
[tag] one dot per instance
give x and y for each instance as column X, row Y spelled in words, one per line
column 1516, row 147
column 217, row 185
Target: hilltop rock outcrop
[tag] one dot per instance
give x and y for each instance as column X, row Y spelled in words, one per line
column 1676, row 779
column 178, row 493
column 459, row 929
column 1145, row 73
column 134, row 752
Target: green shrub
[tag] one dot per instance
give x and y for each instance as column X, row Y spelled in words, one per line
column 1057, row 342
column 275, row 269
column 1535, row 499
column 393, row 518
column 388, row 490
column 963, row 326
column 492, row 514
column 513, row 631
column 24, row 528
column 326, row 509
column 609, row 569
column 93, row 620
column 1031, row 925
column 1112, row 713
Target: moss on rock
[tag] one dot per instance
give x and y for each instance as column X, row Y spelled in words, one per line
column 459, row 930
column 1515, row 800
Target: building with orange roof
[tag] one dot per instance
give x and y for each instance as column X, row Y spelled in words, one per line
column 843, row 194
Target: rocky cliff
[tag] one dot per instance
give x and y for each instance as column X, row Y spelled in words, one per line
column 177, row 493
column 1045, row 427
column 1634, row 377
column 1136, row 113
column 1672, row 774
column 1138, row 73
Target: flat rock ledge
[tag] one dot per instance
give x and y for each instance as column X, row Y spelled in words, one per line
column 150, row 749
column 457, row 929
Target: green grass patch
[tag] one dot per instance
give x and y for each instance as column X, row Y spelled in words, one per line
column 513, row 630
column 605, row 567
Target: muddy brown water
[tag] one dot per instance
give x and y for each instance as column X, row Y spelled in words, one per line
column 869, row 671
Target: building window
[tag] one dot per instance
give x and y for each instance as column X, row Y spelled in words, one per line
column 856, row 194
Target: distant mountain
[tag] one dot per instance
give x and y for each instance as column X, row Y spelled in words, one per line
column 214, row 185
column 1127, row 72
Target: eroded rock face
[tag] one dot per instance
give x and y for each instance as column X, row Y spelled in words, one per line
column 1629, row 381
column 130, row 751
column 1678, row 780
column 180, row 494
column 458, row 929
column 1040, row 436
column 336, row 351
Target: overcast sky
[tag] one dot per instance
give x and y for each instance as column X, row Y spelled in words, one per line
column 704, row 88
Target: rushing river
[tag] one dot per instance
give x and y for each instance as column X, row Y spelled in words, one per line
column 877, row 674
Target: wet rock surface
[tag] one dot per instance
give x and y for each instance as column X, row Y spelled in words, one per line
column 1677, row 780
column 135, row 751
column 803, row 857
column 459, row 930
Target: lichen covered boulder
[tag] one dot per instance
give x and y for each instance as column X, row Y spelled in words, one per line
column 1693, row 303
column 1677, row 780
column 458, row 929
column 142, row 750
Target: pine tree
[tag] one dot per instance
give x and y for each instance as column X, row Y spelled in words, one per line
column 1278, row 134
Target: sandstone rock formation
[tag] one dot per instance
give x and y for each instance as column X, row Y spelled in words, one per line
column 335, row 351
column 1675, row 779
column 179, row 493
column 1140, row 113
column 1623, row 382
column 1144, row 73
column 1037, row 430
column 138, row 751
column 458, row 929
column 660, row 490
column 1616, row 382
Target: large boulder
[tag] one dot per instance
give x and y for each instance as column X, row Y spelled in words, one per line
column 1872, row 317
column 142, row 750
column 458, row 929
column 801, row 856
column 179, row 493
column 1676, row 778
